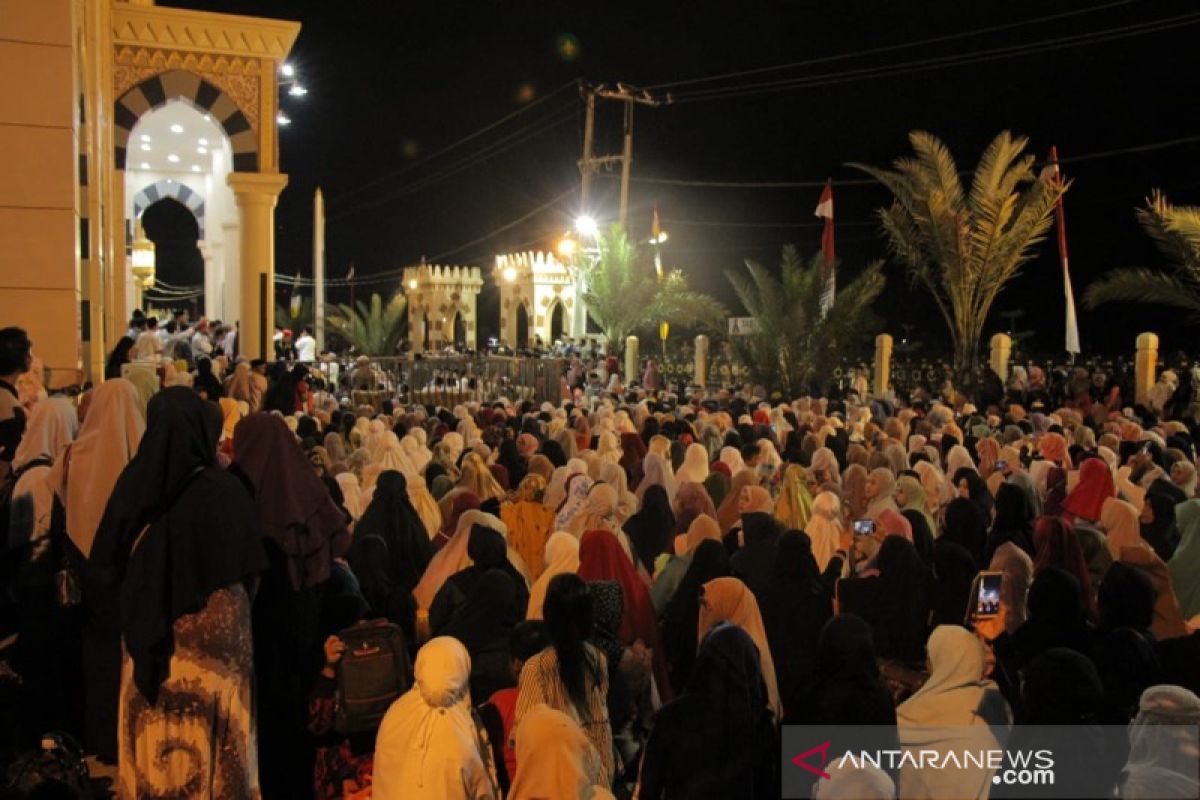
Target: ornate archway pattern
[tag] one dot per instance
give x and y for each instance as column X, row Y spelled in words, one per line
column 155, row 91
column 175, row 190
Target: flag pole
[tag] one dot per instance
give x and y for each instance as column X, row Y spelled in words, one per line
column 319, row 269
column 1060, row 220
column 824, row 211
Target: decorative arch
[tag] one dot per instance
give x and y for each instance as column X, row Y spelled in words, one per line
column 556, row 321
column 157, row 90
column 186, row 195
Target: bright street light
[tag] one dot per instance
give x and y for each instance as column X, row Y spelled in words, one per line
column 297, row 90
column 586, row 225
column 510, row 274
column 566, row 247
column 660, row 239
column 287, row 70
column 283, row 119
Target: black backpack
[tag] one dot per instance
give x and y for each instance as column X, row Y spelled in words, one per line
column 373, row 672
column 55, row 770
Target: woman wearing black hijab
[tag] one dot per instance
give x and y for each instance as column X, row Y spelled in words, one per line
column 482, row 627
column 953, row 575
column 487, row 551
column 206, row 383
column 303, row 532
column 651, row 530
column 180, row 539
column 511, row 460
column 390, row 552
column 795, row 605
column 922, row 536
column 848, row 689
column 682, row 616
column 1158, row 523
column 716, row 739
column 119, row 356
column 553, row 451
column 893, row 601
column 977, row 490
column 966, row 526
column 1013, row 523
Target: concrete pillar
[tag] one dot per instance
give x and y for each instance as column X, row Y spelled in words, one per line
column 883, row 364
column 631, row 360
column 1145, row 366
column 701, row 376
column 256, row 195
column 1001, row 350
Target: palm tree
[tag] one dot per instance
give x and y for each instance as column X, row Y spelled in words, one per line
column 795, row 343
column 1176, row 232
column 964, row 246
column 297, row 314
column 373, row 328
column 624, row 294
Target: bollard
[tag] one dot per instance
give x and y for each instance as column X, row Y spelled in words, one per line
column 701, row 376
column 631, row 360
column 883, row 364
column 1001, row 350
column 1145, row 367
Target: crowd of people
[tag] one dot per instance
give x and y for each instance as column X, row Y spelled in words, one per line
column 624, row 593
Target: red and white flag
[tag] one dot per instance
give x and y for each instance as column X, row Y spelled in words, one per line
column 1053, row 174
column 824, row 210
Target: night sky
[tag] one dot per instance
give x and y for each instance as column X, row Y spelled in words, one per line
column 390, row 84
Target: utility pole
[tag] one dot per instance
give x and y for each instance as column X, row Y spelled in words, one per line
column 319, row 269
column 588, row 165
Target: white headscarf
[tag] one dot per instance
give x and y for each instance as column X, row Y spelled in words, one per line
column 824, row 527
column 107, row 441
column 657, row 470
column 1161, row 764
column 695, row 464
column 427, row 745
column 732, row 459
column 52, row 426
column 561, row 556
column 555, row 758
column 351, row 494
column 627, row 502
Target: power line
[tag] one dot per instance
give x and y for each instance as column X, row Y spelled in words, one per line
column 809, row 184
column 509, row 142
column 939, row 62
column 893, row 47
column 708, row 223
column 469, row 137
column 508, row 226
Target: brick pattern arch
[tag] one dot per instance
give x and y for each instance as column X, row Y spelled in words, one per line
column 157, row 90
column 173, row 189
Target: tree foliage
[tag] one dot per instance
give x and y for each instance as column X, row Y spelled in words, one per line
column 372, row 328
column 624, row 294
column 796, row 344
column 297, row 314
column 1176, row 233
column 965, row 245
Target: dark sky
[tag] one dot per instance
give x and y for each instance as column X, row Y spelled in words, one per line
column 392, row 83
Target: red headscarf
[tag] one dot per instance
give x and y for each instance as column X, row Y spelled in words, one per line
column 633, row 453
column 461, row 504
column 601, row 558
column 1095, row 486
column 1057, row 545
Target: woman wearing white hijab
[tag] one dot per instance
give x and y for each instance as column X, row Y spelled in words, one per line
column 695, row 464
column 1121, row 525
column 657, row 470
column 881, row 485
column 824, row 527
column 732, row 458
column 375, row 440
column 954, row 710
column 428, row 746
column 609, row 448
column 352, row 497
column 824, row 466
column 627, row 502
column 562, row 555
column 575, row 494
column 1162, row 762
column 108, row 439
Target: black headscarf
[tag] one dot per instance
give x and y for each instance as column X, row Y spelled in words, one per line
column 511, row 460
column 966, row 526
column 651, row 529
column 392, row 518
column 894, row 602
column 483, row 628
column 682, row 615
column 202, row 533
column 553, row 451
column 206, row 381
column 922, row 536
column 1057, row 616
column 795, row 606
column 848, row 688
column 1162, row 534
column 981, row 496
column 954, row 571
column 1013, row 523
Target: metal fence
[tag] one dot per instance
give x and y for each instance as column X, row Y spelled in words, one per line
column 449, row 380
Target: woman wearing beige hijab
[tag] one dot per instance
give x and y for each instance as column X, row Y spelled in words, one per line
column 555, row 759
column 825, row 528
column 1121, row 525
column 881, row 485
column 561, row 556
column 728, row 514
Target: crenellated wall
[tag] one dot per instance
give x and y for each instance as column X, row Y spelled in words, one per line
column 538, row 281
column 436, row 296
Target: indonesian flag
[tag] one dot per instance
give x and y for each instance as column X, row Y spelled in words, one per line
column 824, row 210
column 350, row 272
column 1054, row 175
column 656, row 238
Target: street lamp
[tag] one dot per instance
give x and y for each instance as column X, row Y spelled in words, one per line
column 567, row 247
column 585, row 225
column 141, row 259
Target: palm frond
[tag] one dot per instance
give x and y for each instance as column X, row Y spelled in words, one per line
column 1141, row 285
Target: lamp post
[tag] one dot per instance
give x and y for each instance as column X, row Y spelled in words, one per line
column 588, row 230
column 141, row 258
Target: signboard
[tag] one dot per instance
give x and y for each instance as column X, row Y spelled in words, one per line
column 742, row 326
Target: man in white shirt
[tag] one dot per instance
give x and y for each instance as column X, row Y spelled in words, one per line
column 149, row 345
column 306, row 346
column 201, row 344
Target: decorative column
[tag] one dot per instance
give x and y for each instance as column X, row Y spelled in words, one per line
column 1145, row 366
column 701, row 376
column 256, row 195
column 631, row 360
column 1001, row 349
column 883, row 364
